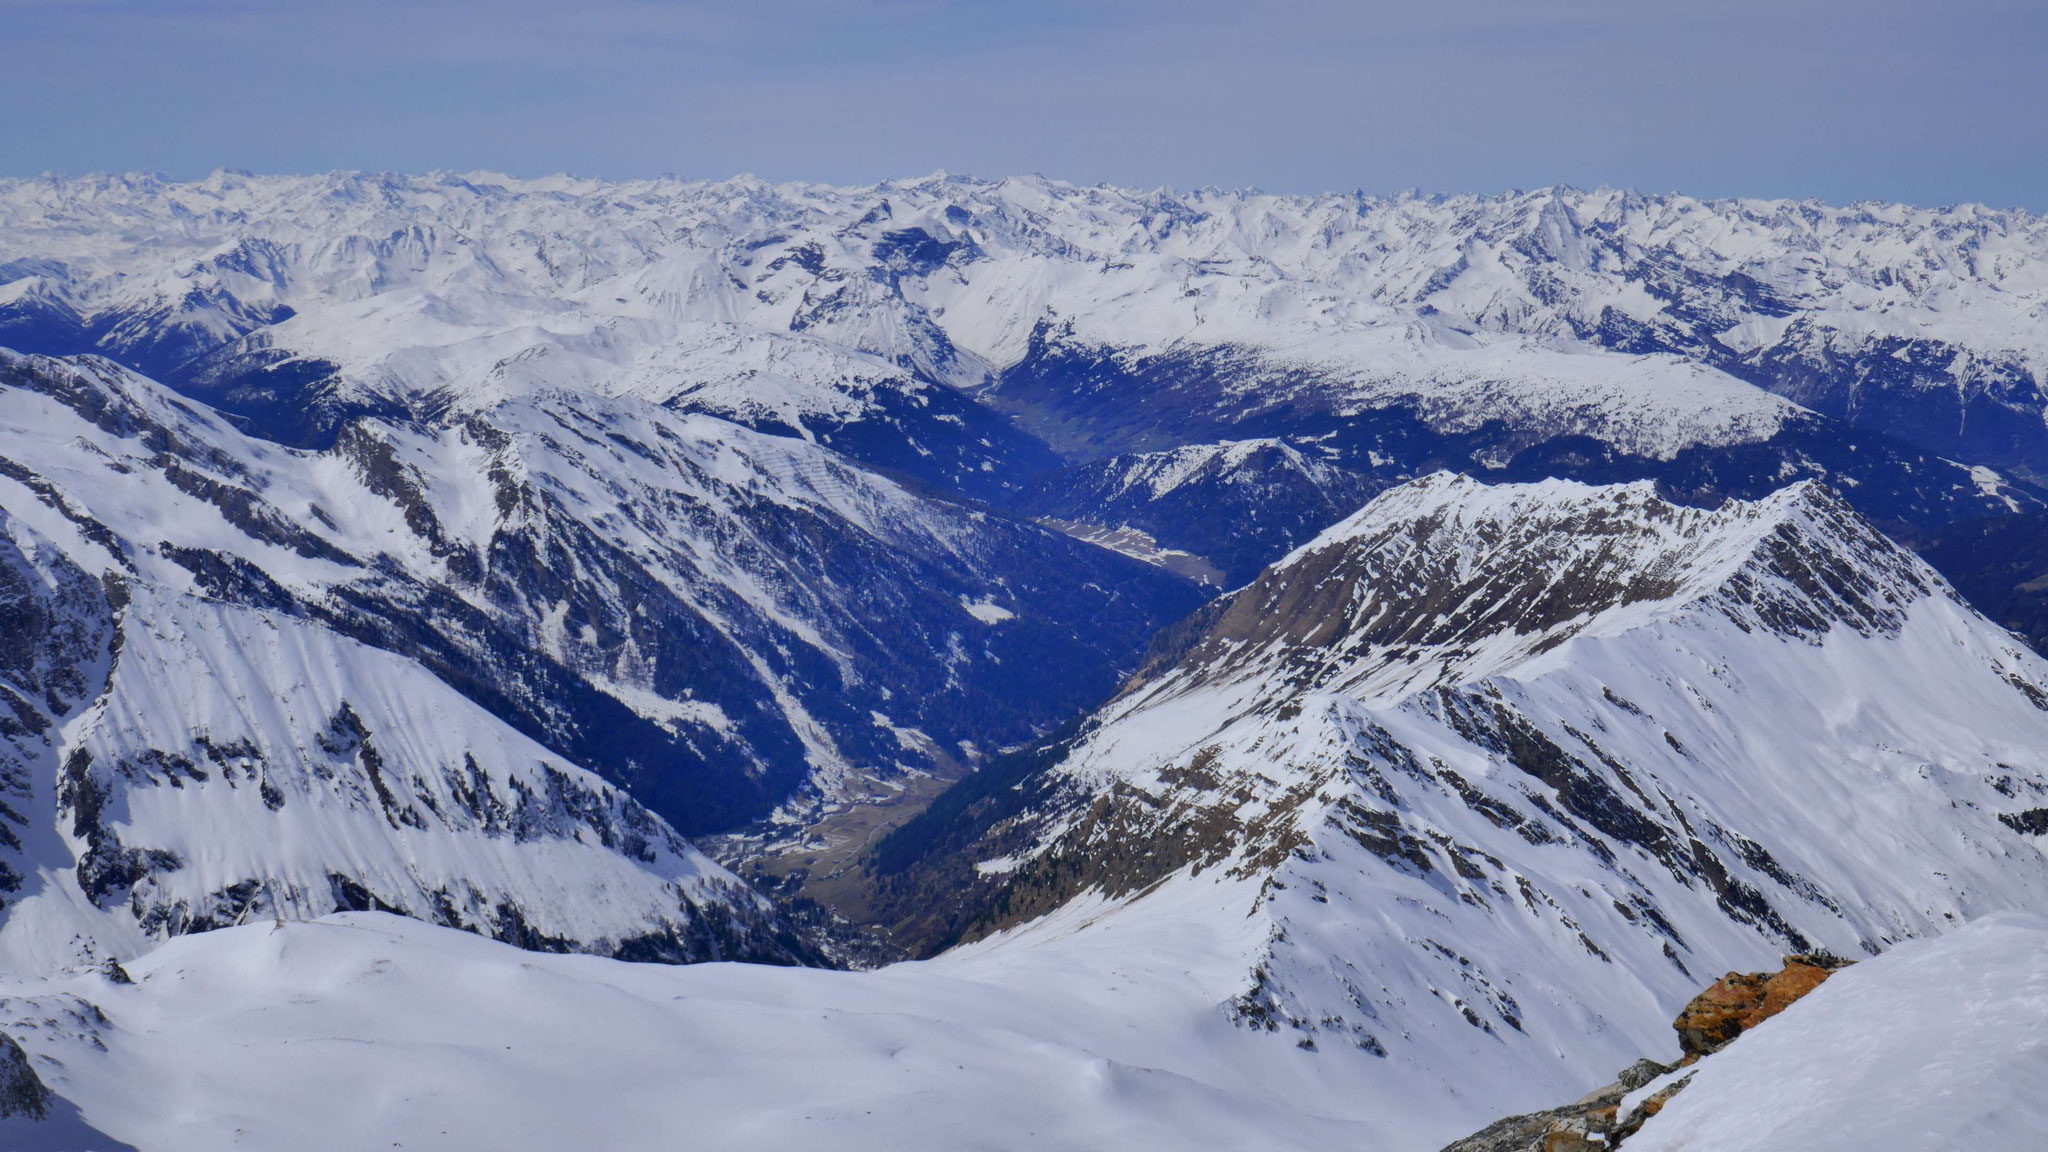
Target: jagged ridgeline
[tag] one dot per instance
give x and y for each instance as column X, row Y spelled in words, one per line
column 1113, row 320
column 1509, row 771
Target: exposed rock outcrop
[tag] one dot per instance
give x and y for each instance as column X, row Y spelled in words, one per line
column 1740, row 1001
column 22, row 1094
column 1576, row 1126
column 1606, row 1117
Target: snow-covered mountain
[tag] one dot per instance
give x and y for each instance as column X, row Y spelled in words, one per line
column 457, row 545
column 373, row 675
column 175, row 764
column 957, row 332
column 1489, row 780
column 723, row 621
column 1439, row 819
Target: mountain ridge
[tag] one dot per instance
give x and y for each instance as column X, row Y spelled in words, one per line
column 1715, row 283
column 1305, row 669
column 1560, row 840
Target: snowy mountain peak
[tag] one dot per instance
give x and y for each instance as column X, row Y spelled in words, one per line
column 1445, row 580
column 1482, row 767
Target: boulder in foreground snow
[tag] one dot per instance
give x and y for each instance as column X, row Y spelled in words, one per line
column 1935, row 1046
column 1932, row 1047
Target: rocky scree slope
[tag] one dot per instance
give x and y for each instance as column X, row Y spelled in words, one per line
column 1504, row 771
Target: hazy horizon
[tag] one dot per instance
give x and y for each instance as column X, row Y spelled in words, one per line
column 1818, row 99
column 991, row 178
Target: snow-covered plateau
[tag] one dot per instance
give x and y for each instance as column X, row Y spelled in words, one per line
column 239, row 1038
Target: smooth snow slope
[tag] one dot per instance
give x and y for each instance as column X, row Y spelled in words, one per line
column 240, row 1037
column 1936, row 1046
column 370, row 1031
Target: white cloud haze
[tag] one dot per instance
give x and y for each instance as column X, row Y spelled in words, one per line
column 1840, row 100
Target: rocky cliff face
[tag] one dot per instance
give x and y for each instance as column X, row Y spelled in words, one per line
column 1740, row 1001
column 22, row 1094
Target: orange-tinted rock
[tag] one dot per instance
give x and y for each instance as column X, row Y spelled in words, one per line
column 1737, row 1002
column 1742, row 1000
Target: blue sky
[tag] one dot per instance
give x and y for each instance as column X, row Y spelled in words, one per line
column 1925, row 102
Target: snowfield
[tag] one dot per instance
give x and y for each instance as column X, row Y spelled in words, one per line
column 240, row 1038
column 246, row 1037
column 1934, row 1047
